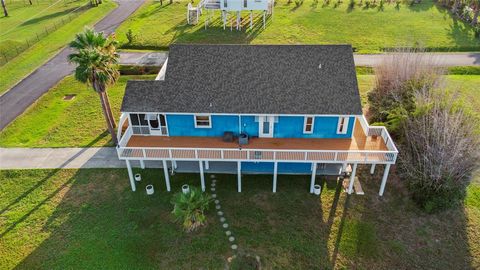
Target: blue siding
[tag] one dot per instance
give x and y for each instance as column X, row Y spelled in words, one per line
column 324, row 127
column 267, row 167
column 286, row 127
column 184, row 125
column 249, row 125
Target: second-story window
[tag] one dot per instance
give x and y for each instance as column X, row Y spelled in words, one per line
column 308, row 124
column 342, row 127
column 203, row 121
column 139, row 123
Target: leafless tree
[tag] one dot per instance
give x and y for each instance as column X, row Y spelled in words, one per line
column 441, row 146
column 397, row 75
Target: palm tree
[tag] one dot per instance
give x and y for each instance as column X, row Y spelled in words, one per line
column 96, row 60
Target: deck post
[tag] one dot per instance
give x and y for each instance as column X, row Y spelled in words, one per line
column 130, row 175
column 384, row 179
column 264, row 19
column 238, row 20
column 344, row 167
column 352, row 178
column 174, row 164
column 224, row 19
column 202, row 177
column 207, row 165
column 372, row 169
column 314, row 174
column 165, row 173
column 239, row 176
column 251, row 19
column 142, row 164
column 275, row 169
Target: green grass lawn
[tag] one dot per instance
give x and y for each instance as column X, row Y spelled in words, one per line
column 89, row 219
column 52, row 122
column 29, row 60
column 26, row 22
column 369, row 30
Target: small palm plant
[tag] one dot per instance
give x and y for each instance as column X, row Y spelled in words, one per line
column 189, row 208
column 96, row 61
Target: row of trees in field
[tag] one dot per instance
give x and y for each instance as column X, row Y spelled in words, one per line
column 467, row 10
column 438, row 139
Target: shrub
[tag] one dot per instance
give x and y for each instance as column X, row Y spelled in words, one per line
column 367, row 3
column 396, row 79
column 130, row 36
column 440, row 151
column 298, row 3
column 189, row 208
column 381, row 6
column 351, row 4
column 397, row 4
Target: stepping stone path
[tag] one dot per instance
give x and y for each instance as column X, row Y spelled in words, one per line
column 223, row 220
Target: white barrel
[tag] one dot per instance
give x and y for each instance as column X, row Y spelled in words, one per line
column 317, row 189
column 138, row 177
column 149, row 189
column 185, row 189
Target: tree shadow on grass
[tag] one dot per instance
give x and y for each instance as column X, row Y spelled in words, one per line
column 97, row 222
column 398, row 234
column 42, row 182
column 53, row 15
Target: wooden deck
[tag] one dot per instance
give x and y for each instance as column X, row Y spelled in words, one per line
column 358, row 142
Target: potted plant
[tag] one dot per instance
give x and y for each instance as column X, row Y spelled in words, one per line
column 189, row 208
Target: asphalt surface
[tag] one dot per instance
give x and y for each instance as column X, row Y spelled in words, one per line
column 441, row 59
column 16, row 100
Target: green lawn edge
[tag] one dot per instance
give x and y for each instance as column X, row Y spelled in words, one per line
column 26, row 63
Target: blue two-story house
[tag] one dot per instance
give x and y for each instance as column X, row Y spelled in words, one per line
column 263, row 109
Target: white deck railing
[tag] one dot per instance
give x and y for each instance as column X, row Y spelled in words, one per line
column 247, row 154
column 234, row 154
column 377, row 131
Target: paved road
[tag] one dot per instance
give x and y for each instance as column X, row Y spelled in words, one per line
column 443, row 59
column 17, row 99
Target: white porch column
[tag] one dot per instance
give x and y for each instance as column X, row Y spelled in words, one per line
column 130, row 175
column 224, row 18
column 202, row 177
column 344, row 167
column 165, row 173
column 352, row 178
column 314, row 174
column 239, row 176
column 275, row 169
column 174, row 164
column 142, row 164
column 372, row 169
column 207, row 165
column 384, row 179
column 264, row 19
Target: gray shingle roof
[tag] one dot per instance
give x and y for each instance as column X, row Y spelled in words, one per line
column 260, row 79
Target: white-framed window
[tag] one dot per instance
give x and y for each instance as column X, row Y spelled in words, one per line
column 308, row 124
column 203, row 121
column 342, row 127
